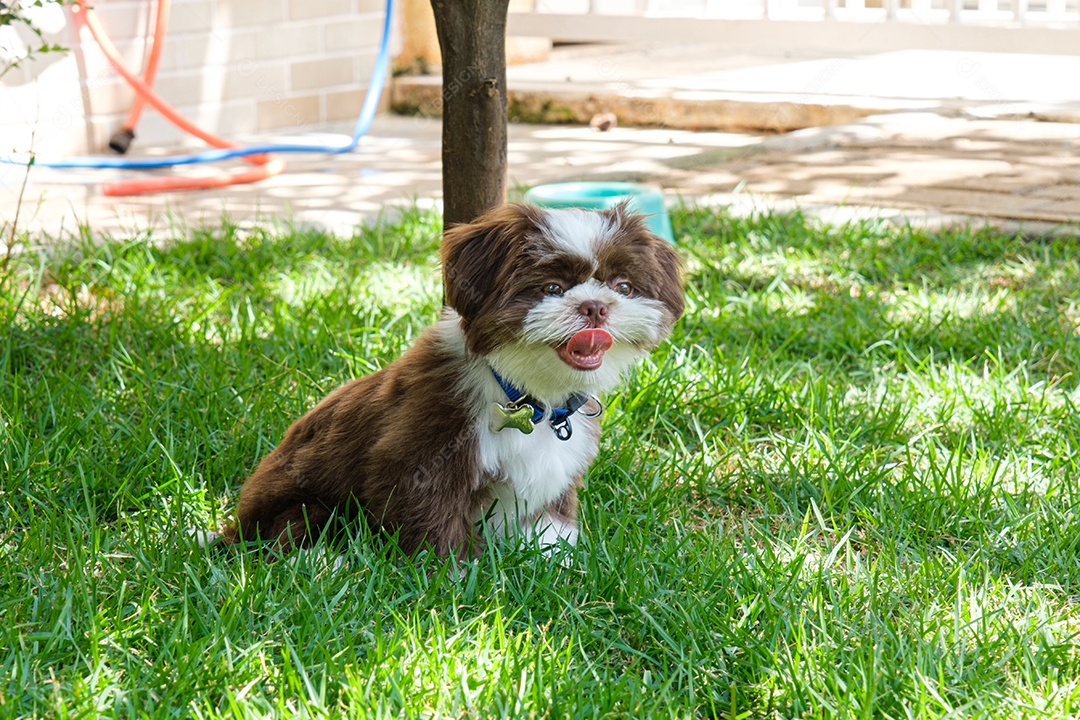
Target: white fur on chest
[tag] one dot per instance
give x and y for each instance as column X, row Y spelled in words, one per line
column 538, row 467
column 523, row 472
column 531, row 471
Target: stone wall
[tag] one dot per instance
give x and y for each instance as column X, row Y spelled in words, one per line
column 230, row 66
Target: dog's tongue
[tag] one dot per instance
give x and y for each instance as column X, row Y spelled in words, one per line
column 585, row 350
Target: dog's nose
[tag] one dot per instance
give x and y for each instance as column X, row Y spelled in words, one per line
column 595, row 311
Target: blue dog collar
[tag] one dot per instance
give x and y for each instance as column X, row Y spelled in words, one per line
column 560, row 416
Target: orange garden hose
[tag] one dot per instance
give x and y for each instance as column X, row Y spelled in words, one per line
column 267, row 165
column 122, row 138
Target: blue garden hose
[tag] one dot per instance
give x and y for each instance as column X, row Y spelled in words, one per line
column 363, row 124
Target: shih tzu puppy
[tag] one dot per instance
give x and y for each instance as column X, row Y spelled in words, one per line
column 492, row 416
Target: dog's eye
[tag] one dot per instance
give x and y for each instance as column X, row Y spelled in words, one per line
column 553, row 289
column 624, row 288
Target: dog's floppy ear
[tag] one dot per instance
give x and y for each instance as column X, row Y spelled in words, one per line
column 662, row 278
column 479, row 256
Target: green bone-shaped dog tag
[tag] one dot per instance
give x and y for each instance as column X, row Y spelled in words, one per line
column 511, row 416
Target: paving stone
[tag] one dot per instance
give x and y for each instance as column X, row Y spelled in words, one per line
column 935, row 166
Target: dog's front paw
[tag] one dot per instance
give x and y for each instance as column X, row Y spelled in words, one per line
column 552, row 531
column 203, row 538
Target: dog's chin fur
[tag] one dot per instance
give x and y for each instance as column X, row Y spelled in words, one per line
column 411, row 448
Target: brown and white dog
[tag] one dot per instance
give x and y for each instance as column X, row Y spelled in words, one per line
column 491, row 415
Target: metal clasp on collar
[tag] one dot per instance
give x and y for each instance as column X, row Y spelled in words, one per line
column 563, row 429
column 592, row 407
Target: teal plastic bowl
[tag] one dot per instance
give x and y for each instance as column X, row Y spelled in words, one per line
column 646, row 200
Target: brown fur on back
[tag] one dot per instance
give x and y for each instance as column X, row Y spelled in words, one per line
column 406, row 458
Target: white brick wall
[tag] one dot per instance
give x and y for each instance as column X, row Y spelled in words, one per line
column 231, row 66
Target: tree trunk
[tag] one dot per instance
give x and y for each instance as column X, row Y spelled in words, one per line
column 472, row 39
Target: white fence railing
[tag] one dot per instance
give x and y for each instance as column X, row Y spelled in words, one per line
column 1032, row 26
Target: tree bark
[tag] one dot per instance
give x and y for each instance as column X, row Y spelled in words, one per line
column 472, row 40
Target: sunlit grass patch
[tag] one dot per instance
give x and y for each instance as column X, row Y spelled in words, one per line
column 847, row 487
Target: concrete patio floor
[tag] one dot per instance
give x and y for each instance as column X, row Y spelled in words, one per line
column 933, row 156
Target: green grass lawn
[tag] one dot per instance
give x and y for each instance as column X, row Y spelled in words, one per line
column 848, row 488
